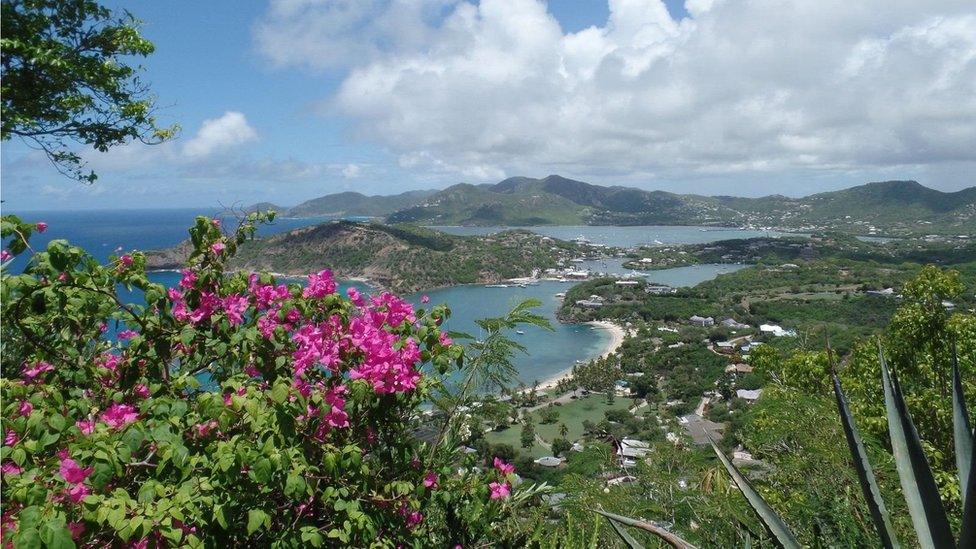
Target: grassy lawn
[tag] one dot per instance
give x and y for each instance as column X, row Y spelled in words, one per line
column 572, row 413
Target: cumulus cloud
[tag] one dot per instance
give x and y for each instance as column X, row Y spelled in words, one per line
column 218, row 134
column 737, row 87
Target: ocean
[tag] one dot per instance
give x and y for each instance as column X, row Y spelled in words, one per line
column 548, row 352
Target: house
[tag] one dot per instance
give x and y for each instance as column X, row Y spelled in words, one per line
column 887, row 292
column 702, row 320
column 776, row 330
column 620, row 480
column 748, row 395
column 549, row 461
column 750, row 346
column 701, row 430
column 627, row 282
column 731, row 323
column 725, row 345
column 593, row 302
column 738, row 368
column 659, row 289
column 633, row 448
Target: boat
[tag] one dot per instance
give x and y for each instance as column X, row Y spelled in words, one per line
column 496, row 285
column 581, row 240
column 561, row 295
column 519, row 332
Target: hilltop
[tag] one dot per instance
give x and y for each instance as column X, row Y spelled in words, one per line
column 401, row 258
column 888, row 207
column 896, row 207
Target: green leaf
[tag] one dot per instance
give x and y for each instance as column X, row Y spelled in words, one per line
column 256, row 518
column 27, row 538
column 781, row 533
column 220, row 516
column 865, row 473
column 55, row 535
column 917, row 483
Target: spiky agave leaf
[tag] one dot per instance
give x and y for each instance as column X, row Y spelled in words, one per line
column 961, row 429
column 865, row 473
column 624, row 536
column 917, row 483
column 779, row 530
column 668, row 537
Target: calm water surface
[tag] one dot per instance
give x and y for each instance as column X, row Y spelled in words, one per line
column 627, row 237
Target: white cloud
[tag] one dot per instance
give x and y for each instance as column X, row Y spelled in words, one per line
column 351, row 171
column 757, row 86
column 219, row 134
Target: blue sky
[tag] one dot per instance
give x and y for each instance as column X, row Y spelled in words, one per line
column 292, row 99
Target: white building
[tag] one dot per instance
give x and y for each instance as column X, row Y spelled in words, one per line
column 776, row 330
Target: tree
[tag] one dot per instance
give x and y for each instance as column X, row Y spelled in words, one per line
column 563, row 430
column 65, row 80
column 549, row 415
column 560, row 446
column 527, row 436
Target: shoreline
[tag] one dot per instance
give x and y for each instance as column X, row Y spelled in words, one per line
column 617, row 335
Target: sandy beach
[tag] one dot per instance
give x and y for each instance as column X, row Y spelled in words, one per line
column 617, row 335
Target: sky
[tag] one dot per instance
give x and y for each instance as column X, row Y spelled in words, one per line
column 287, row 100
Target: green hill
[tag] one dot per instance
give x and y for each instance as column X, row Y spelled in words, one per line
column 402, row 258
column 357, row 204
column 891, row 207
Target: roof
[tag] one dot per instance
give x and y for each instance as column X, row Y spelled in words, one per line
column 748, row 394
column 549, row 461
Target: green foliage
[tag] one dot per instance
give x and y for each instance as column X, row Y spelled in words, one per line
column 527, row 435
column 66, row 79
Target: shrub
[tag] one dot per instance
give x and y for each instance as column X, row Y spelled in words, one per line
column 229, row 408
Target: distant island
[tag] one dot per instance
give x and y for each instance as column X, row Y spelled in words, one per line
column 900, row 208
column 400, row 258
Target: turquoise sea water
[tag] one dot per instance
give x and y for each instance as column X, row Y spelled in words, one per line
column 548, row 352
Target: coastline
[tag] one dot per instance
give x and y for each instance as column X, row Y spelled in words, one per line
column 617, row 335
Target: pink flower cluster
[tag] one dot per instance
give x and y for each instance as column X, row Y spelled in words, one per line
column 501, row 490
column 31, row 372
column 75, row 476
column 118, row 416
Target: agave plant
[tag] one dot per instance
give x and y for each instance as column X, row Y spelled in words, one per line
column 929, row 519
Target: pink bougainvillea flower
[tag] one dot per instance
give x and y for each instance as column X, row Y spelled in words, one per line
column 203, row 429
column 188, row 279
column 125, row 260
column 141, row 544
column 37, row 369
column 218, row 247
column 444, row 340
column 425, row 298
column 5, row 255
column 430, row 480
column 78, row 492
column 119, row 415
column 103, row 327
column 10, row 438
column 215, row 222
column 10, row 468
column 87, row 426
column 234, row 306
column 504, row 468
column 127, row 334
column 252, row 370
column 414, row 518
column 63, row 277
column 72, row 473
column 141, row 390
column 41, row 226
column 320, row 285
column 499, row 490
column 355, row 296
column 76, row 529
column 25, row 408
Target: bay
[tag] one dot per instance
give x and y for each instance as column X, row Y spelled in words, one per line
column 628, row 236
column 549, row 352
